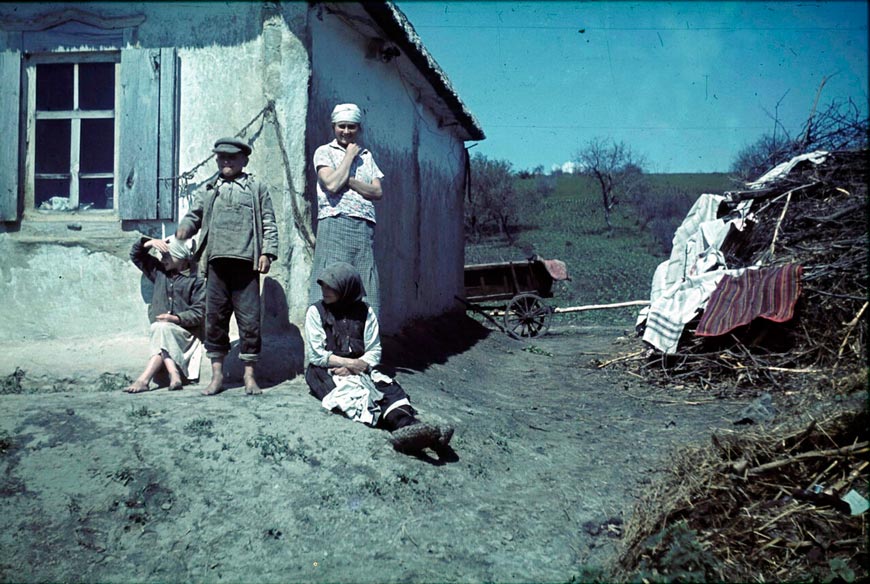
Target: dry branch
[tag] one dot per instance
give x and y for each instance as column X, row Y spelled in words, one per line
column 804, row 455
column 622, row 358
column 850, row 326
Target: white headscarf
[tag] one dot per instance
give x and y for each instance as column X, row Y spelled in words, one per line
column 347, row 112
column 180, row 248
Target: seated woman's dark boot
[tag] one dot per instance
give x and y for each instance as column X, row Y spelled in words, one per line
column 415, row 437
column 407, row 433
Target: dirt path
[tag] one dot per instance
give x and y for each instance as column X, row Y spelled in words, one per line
column 550, row 456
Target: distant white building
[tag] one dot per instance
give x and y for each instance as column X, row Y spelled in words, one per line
column 569, row 167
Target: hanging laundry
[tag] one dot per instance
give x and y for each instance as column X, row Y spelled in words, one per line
column 769, row 293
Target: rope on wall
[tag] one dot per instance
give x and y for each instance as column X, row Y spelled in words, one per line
column 267, row 114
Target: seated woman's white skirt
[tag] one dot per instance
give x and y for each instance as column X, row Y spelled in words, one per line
column 181, row 346
column 356, row 396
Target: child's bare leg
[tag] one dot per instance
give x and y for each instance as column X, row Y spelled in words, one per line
column 251, row 387
column 144, row 380
column 174, row 373
column 217, row 377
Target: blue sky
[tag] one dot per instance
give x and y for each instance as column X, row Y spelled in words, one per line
column 685, row 84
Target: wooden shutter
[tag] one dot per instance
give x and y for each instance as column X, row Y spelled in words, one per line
column 148, row 138
column 138, row 127
column 10, row 103
column 167, row 153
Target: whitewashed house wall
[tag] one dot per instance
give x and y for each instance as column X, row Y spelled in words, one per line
column 419, row 239
column 189, row 73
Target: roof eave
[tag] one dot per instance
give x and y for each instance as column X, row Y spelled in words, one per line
column 397, row 27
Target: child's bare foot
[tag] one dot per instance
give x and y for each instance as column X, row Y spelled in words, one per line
column 215, row 387
column 137, row 386
column 175, row 384
column 251, row 387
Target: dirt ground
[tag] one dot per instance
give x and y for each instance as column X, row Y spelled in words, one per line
column 549, row 456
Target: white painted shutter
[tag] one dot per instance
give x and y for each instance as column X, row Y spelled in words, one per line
column 10, row 103
column 167, row 153
column 147, row 134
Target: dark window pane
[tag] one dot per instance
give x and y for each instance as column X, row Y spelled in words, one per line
column 52, row 146
column 97, row 86
column 95, row 193
column 52, row 194
column 97, row 148
column 54, row 87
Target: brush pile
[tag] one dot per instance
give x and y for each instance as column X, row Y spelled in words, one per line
column 770, row 503
column 758, row 506
column 816, row 216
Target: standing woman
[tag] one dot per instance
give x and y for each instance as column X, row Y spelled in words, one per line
column 348, row 180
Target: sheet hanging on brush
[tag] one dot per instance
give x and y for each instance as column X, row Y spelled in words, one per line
column 682, row 285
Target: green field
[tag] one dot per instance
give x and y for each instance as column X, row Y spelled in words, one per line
column 605, row 266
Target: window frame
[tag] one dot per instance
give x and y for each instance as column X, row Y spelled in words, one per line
column 30, row 62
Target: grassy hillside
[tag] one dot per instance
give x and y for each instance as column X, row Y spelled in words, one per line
column 716, row 182
column 605, row 267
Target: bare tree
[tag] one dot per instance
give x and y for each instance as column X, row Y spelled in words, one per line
column 841, row 125
column 616, row 169
column 493, row 198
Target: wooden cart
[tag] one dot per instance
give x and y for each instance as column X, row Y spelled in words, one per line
column 523, row 284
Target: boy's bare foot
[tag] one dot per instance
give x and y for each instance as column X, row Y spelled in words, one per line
column 175, row 384
column 137, row 387
column 215, row 387
column 251, row 387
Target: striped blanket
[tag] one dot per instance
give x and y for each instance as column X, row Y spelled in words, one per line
column 769, row 293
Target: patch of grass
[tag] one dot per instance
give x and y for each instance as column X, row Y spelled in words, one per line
column 713, row 182
column 200, row 427
column 113, row 381
column 536, row 350
column 591, row 575
column 5, row 443
column 142, row 412
column 123, row 476
column 837, row 570
column 676, row 555
column 270, row 446
column 12, row 382
column 278, row 449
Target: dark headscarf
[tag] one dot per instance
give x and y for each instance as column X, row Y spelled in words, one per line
column 344, row 279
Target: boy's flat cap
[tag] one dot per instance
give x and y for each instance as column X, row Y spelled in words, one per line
column 231, row 146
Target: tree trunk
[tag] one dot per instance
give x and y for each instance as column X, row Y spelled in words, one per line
column 606, row 189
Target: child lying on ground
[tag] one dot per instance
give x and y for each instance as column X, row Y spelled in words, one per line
column 343, row 346
column 176, row 312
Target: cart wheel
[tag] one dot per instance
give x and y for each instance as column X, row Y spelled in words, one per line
column 526, row 315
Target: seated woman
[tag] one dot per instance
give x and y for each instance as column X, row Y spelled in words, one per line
column 176, row 312
column 343, row 346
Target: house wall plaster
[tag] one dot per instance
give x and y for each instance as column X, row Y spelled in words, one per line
column 418, row 241
column 73, row 276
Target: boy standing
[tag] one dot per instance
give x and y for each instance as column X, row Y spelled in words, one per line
column 238, row 242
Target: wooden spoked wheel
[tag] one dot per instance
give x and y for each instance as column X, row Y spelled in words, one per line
column 526, row 315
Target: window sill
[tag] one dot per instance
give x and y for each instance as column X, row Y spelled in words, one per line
column 98, row 215
column 67, row 229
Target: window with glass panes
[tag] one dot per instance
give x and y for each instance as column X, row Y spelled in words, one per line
column 73, row 137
